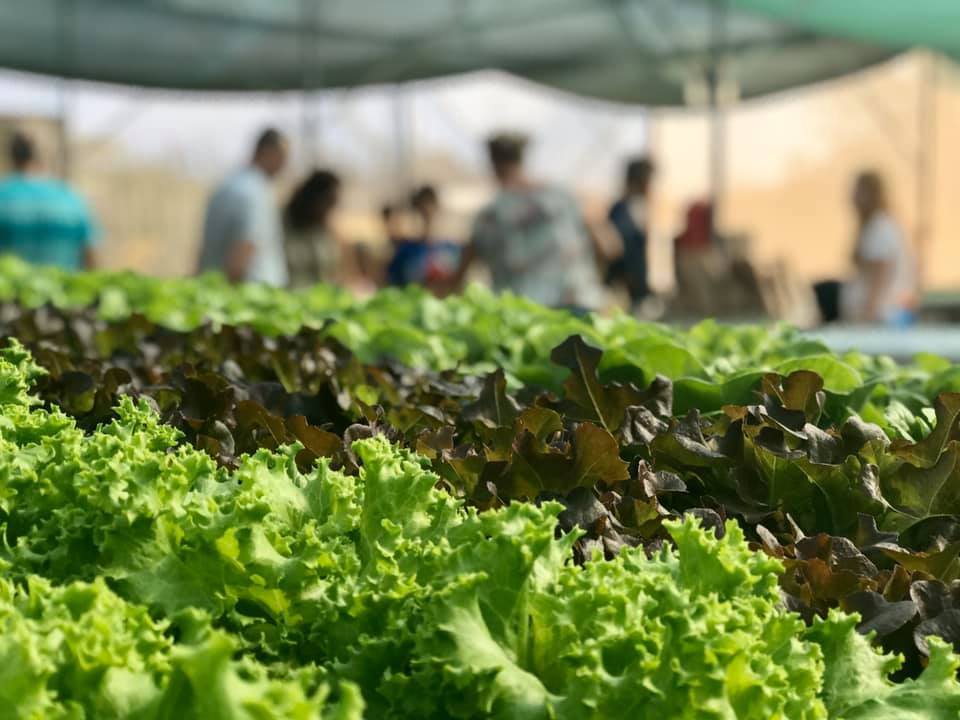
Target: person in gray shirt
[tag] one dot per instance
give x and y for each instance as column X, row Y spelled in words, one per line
column 242, row 231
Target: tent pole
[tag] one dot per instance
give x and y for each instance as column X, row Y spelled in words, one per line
column 718, row 159
column 63, row 131
column 66, row 37
column 401, row 140
column 718, row 120
column 310, row 81
column 925, row 174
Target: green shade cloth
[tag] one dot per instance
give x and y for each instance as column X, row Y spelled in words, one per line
column 934, row 24
column 649, row 51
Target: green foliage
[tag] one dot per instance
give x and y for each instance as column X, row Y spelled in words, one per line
column 471, row 512
column 269, row 592
column 476, row 332
column 621, row 459
column 79, row 651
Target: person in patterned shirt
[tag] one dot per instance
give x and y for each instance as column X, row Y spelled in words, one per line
column 533, row 237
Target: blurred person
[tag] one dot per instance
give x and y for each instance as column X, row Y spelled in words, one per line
column 698, row 234
column 42, row 220
column 883, row 284
column 314, row 254
column 242, row 231
column 425, row 259
column 369, row 271
column 315, row 251
column 699, row 267
column 715, row 275
column 407, row 253
column 630, row 217
column 439, row 271
column 533, row 237
column 391, row 223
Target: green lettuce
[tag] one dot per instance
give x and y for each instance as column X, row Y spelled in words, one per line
column 79, row 651
column 142, row 581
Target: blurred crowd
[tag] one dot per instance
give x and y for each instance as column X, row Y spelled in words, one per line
column 532, row 238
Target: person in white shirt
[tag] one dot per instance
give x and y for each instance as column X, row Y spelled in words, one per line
column 242, row 231
column 883, row 285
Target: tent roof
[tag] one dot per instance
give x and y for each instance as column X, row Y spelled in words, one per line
column 629, row 50
column 892, row 23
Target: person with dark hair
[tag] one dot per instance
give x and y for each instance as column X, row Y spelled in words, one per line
column 424, row 259
column 391, row 223
column 425, row 201
column 42, row 220
column 242, row 231
column 313, row 250
column 883, row 284
column 23, row 153
column 533, row 237
column 438, row 270
column 630, row 217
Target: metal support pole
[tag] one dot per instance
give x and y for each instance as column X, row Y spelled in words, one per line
column 401, row 140
column 310, row 82
column 309, row 126
column 718, row 120
column 925, row 174
column 64, row 159
column 66, row 36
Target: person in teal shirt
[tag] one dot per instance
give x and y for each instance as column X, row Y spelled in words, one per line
column 42, row 220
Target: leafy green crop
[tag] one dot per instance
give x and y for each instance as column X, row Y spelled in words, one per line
column 476, row 332
column 171, row 454
column 711, row 365
column 79, row 651
column 860, row 524
column 269, row 592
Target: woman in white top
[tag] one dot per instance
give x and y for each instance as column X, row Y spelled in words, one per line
column 883, row 286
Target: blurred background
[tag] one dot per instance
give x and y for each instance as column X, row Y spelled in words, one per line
column 767, row 109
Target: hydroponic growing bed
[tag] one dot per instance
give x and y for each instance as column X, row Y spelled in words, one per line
column 225, row 502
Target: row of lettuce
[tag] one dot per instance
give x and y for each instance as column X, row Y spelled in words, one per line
column 141, row 580
column 856, row 489
column 189, row 460
column 479, row 332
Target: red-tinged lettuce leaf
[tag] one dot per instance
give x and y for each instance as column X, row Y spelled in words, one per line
column 801, row 390
column 494, row 408
column 586, row 398
column 933, row 597
column 590, row 457
column 540, row 422
column 463, row 468
column 685, row 445
column 878, row 615
column 433, row 443
column 640, row 427
column 941, row 565
column 944, row 626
